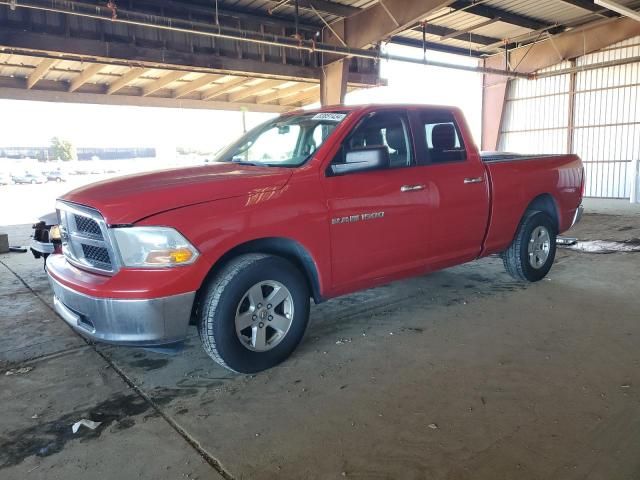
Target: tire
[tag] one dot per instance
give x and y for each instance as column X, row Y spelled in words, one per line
column 228, row 304
column 532, row 266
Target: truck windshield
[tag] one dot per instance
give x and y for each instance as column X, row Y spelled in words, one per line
column 284, row 142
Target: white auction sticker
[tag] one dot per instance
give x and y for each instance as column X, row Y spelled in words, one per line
column 332, row 117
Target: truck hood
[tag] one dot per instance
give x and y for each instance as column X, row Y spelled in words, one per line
column 129, row 199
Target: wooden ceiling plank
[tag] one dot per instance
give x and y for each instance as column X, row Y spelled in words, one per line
column 84, row 76
column 193, row 85
column 125, row 79
column 302, row 96
column 284, row 92
column 162, row 82
column 254, row 90
column 40, row 71
column 222, row 88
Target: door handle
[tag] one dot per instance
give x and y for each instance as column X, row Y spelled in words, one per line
column 474, row 180
column 411, row 188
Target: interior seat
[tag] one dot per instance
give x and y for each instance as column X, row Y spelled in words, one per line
column 443, row 137
column 397, row 141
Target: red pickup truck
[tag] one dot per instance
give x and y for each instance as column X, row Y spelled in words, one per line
column 313, row 204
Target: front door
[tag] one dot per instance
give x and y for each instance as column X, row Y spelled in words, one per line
column 377, row 217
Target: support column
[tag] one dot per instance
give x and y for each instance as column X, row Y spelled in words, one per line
column 494, row 94
column 333, row 82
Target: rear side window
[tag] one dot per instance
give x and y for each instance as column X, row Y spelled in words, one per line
column 442, row 138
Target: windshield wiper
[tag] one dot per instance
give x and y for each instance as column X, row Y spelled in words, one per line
column 246, row 162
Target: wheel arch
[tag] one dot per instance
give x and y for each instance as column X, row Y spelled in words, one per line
column 286, row 248
column 547, row 204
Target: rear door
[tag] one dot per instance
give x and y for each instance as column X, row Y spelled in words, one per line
column 457, row 183
column 377, row 221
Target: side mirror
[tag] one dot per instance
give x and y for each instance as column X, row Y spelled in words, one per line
column 362, row 160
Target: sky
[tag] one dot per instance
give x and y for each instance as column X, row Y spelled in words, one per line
column 28, row 123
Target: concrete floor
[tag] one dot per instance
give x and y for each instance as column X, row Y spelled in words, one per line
column 461, row 374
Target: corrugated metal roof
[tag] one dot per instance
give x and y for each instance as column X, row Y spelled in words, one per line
column 547, row 13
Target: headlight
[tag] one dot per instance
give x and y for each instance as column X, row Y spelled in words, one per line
column 153, row 247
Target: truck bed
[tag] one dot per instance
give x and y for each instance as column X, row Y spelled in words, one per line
column 516, row 180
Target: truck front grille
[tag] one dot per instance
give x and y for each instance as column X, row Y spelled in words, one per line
column 97, row 255
column 87, row 226
column 85, row 238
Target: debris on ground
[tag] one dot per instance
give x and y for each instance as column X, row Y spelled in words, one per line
column 19, row 371
column 605, row 246
column 84, row 422
column 342, row 341
column 566, row 241
column 433, row 426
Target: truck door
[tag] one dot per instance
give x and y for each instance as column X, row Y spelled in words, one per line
column 376, row 216
column 456, row 180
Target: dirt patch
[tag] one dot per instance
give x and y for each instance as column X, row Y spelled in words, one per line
column 150, row 363
column 48, row 438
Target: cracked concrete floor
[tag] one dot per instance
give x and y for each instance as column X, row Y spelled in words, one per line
column 461, row 374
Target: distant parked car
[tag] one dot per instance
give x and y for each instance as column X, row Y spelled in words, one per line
column 55, row 176
column 28, row 178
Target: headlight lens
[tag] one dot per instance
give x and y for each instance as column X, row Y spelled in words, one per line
column 149, row 247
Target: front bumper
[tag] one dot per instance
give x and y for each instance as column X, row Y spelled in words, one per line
column 145, row 322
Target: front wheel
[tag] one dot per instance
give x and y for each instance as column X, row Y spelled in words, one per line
column 533, row 250
column 253, row 313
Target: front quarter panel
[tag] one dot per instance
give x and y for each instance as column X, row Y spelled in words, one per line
column 297, row 212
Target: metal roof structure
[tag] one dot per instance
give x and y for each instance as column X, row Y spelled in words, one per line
column 255, row 54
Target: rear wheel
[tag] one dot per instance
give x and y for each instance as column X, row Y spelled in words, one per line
column 254, row 313
column 533, row 250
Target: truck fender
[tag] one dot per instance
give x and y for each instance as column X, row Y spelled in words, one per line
column 547, row 204
column 282, row 247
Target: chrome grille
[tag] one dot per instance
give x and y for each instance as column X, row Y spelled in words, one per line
column 87, row 226
column 97, row 255
column 85, row 238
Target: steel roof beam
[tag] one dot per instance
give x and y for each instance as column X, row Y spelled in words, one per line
column 591, row 7
column 380, row 21
column 442, row 31
column 505, row 16
column 438, row 47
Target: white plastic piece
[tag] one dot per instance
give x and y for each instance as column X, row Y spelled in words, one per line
column 87, row 423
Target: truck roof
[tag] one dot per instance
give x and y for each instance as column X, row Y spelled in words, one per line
column 369, row 106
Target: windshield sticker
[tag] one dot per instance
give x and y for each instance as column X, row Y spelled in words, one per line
column 332, row 117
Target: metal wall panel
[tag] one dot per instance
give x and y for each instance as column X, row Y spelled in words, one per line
column 599, row 120
column 607, row 120
column 536, row 115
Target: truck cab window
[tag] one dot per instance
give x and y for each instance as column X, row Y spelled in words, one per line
column 383, row 129
column 442, row 139
column 286, row 141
